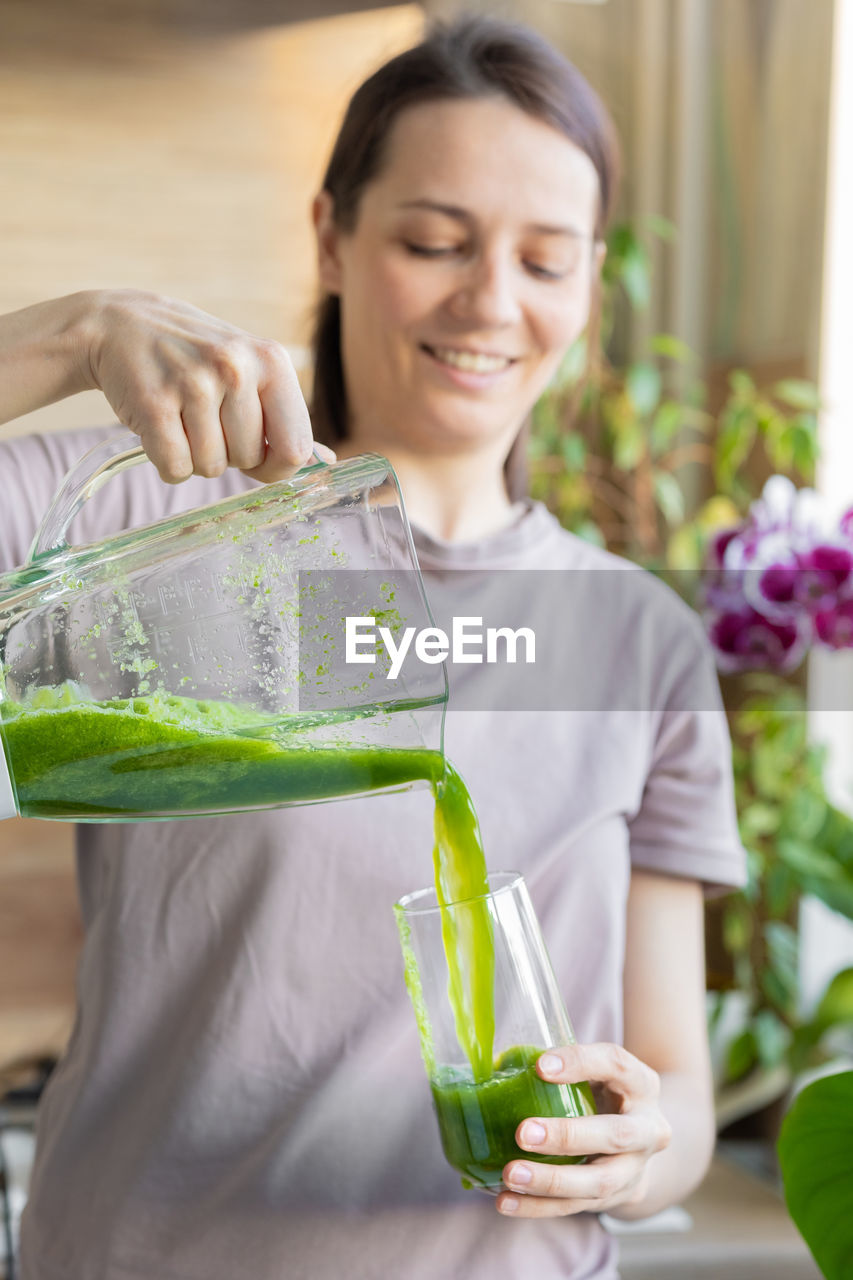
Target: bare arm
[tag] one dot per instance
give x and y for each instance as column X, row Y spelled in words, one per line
column 43, row 354
column 200, row 394
column 665, row 1027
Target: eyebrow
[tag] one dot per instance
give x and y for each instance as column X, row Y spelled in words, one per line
column 462, row 215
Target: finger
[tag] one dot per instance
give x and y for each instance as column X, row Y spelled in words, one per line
column 242, row 420
column 599, row 1180
column 609, row 1064
column 324, row 453
column 287, row 426
column 200, row 416
column 611, row 1134
column 542, row 1207
column 163, row 438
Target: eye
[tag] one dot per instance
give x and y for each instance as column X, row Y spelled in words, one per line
column 431, row 251
column 547, row 273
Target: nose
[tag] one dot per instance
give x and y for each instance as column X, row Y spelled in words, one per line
column 487, row 293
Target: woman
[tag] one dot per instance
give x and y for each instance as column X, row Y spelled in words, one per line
column 242, row 1092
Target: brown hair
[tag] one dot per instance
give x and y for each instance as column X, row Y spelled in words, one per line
column 470, row 57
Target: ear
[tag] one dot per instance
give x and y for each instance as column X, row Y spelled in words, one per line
column 326, row 231
column 598, row 255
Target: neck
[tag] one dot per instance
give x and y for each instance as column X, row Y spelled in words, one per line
column 457, row 497
column 456, row 501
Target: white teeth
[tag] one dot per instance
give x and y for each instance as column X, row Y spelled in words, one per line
column 470, row 360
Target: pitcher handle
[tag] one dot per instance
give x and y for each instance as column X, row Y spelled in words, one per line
column 84, row 479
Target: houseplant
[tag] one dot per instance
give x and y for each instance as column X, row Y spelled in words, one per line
column 639, row 455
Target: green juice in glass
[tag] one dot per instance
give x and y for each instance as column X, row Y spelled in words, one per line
column 478, row 1120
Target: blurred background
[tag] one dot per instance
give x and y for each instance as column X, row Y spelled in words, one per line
column 175, row 145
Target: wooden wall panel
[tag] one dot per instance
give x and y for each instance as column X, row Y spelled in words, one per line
column 40, row 936
column 134, row 153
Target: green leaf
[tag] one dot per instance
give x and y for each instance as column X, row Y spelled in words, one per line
column 573, row 365
column 629, row 445
column 772, row 1038
column 804, row 814
column 590, row 532
column 776, row 991
column 836, row 1003
column 742, row 1055
column 635, row 277
column 666, row 424
column 666, row 344
column 737, row 929
column 836, row 894
column 741, row 383
column 758, row 820
column 769, row 768
column 798, row 393
column 805, row 454
column 669, row 497
column 573, row 451
column 734, row 441
column 779, row 887
column 643, row 385
column 782, row 954
column 809, row 861
column 685, row 548
column 816, row 1158
column 660, row 226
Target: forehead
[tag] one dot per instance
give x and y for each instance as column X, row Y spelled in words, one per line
column 489, row 157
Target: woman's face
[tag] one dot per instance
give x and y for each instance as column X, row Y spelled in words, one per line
column 467, row 275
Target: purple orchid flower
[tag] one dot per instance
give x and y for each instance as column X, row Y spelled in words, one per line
column 779, row 582
column 747, row 641
column 834, row 627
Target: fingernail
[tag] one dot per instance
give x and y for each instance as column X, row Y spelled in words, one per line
column 509, row 1204
column 533, row 1133
column 521, row 1175
column 550, row 1064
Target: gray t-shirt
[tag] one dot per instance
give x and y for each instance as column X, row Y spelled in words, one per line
column 243, row 1092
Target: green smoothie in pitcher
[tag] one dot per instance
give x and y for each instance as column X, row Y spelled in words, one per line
column 167, row 756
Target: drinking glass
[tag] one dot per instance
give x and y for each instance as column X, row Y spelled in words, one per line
column 478, row 1117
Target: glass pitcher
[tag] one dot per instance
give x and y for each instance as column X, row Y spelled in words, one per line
column 200, row 665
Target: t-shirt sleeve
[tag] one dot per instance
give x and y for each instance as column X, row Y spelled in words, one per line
column 686, row 824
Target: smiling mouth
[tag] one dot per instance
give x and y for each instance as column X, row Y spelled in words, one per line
column 469, row 361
